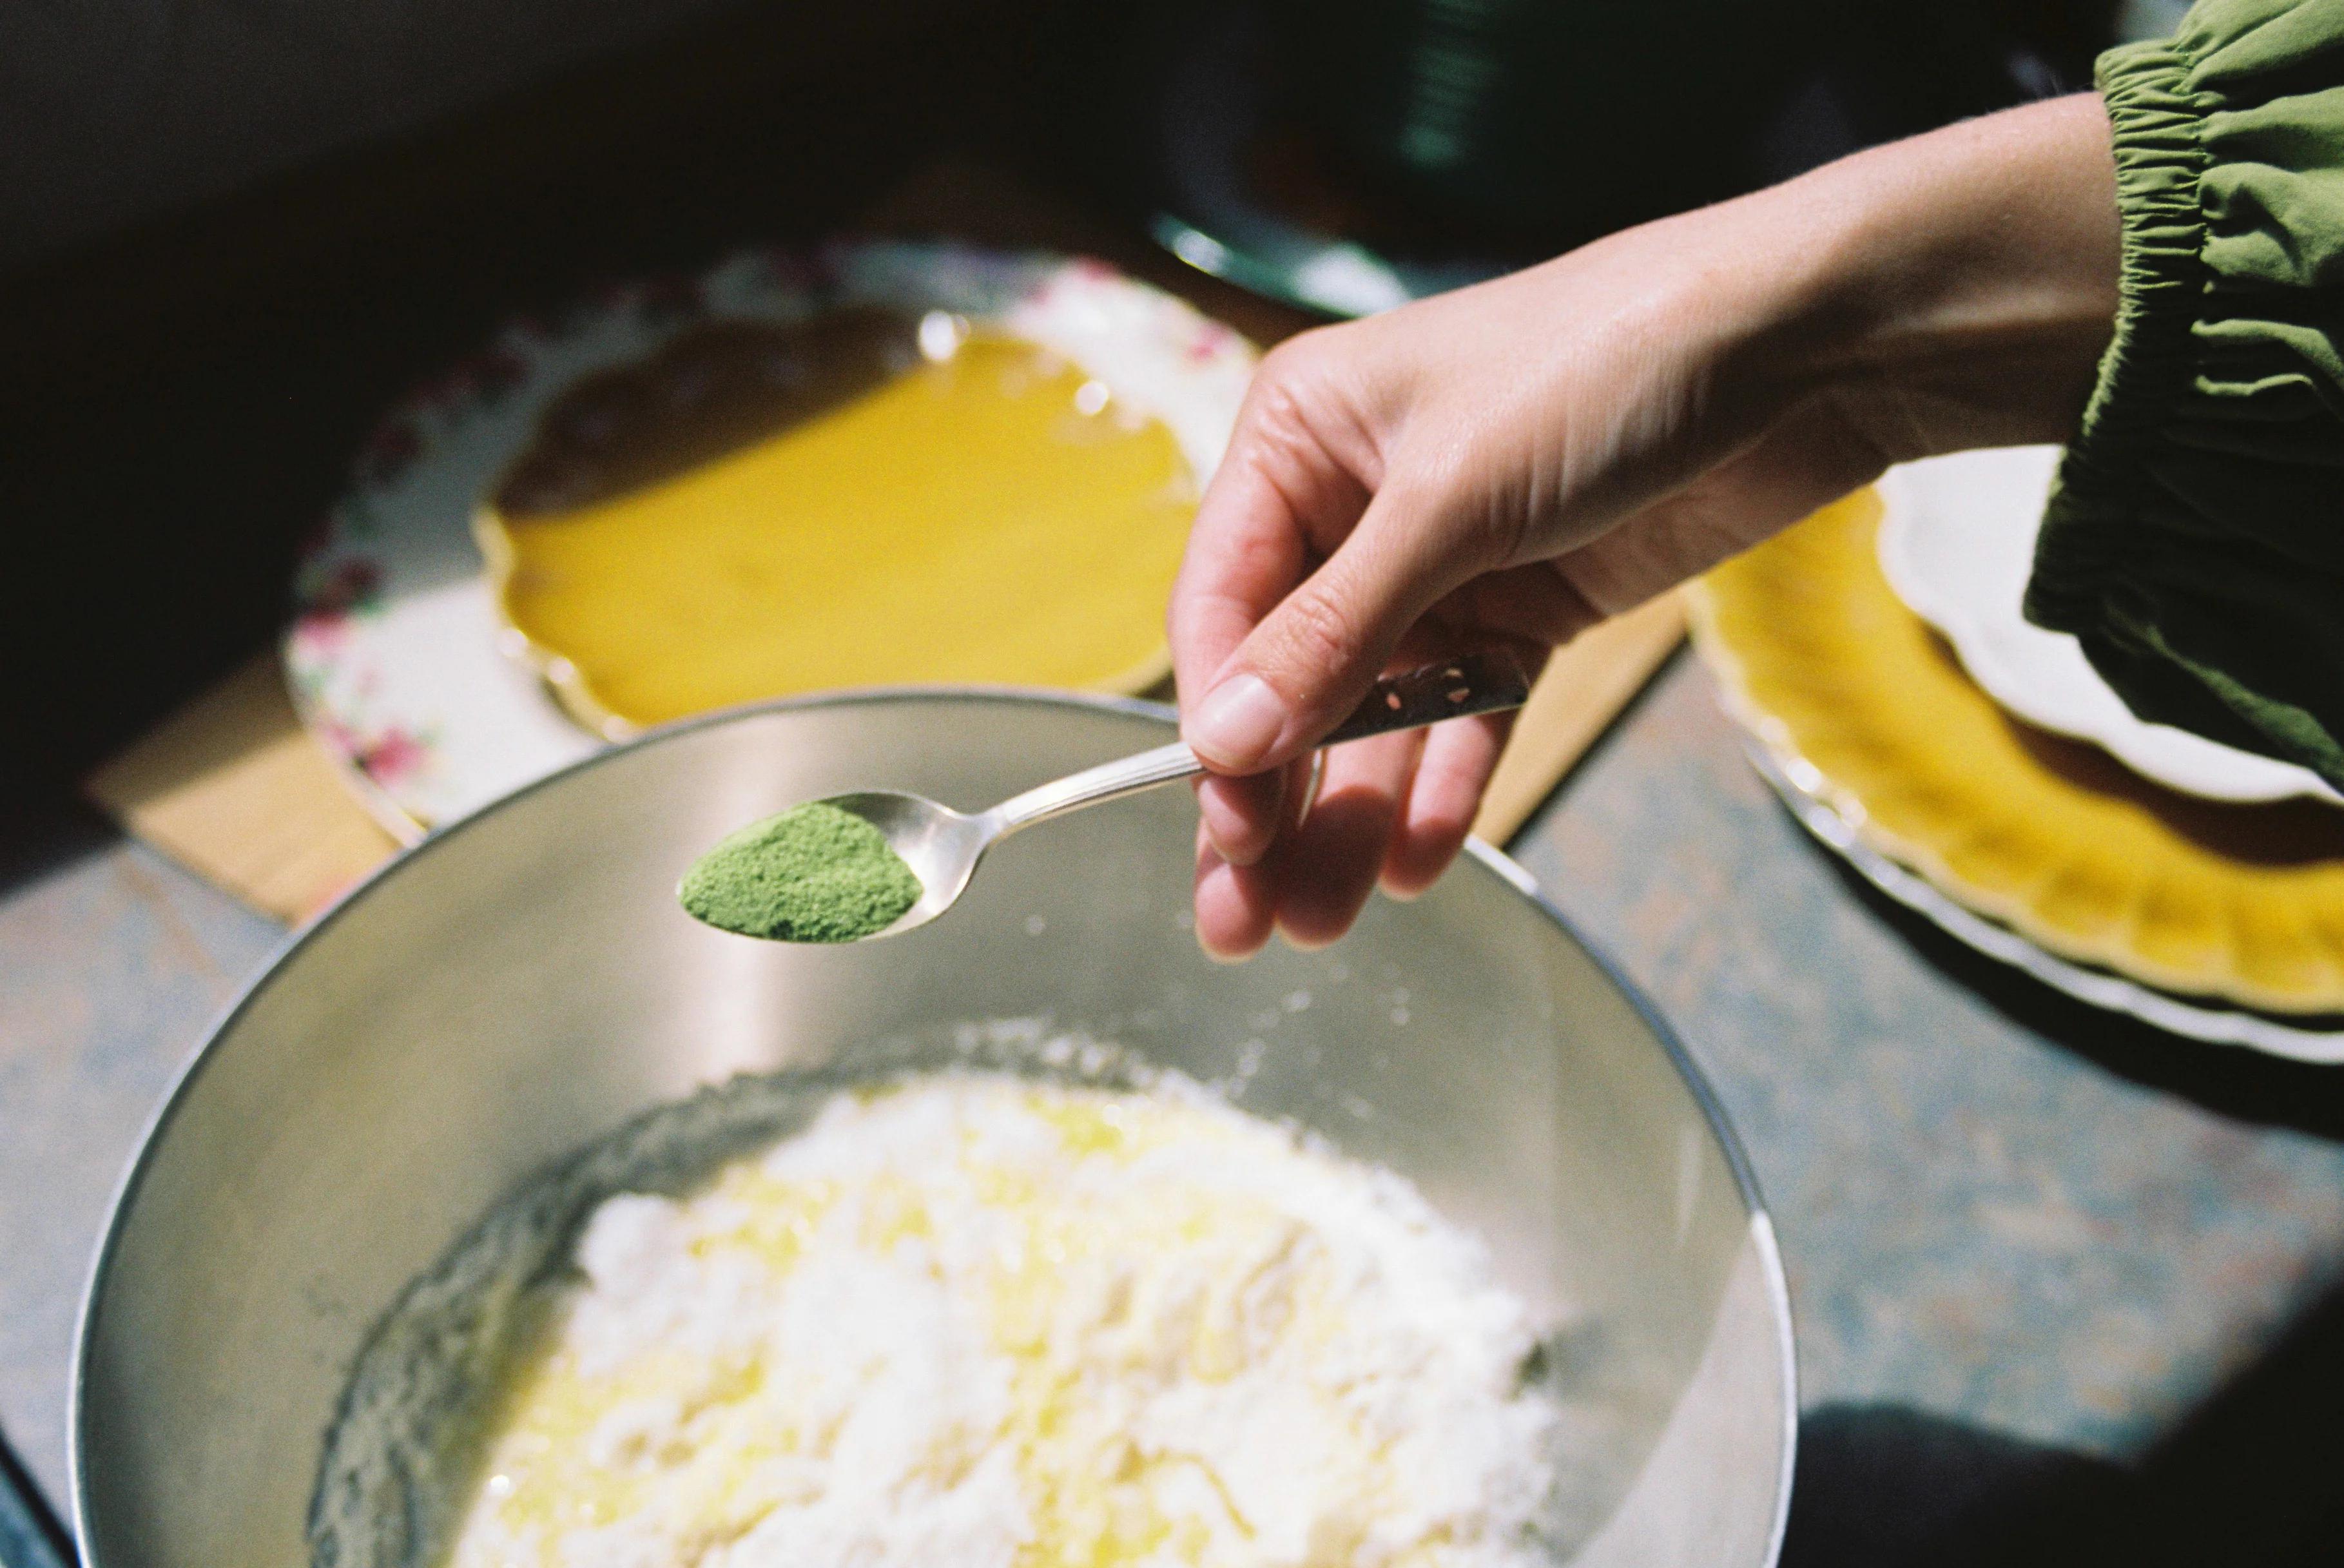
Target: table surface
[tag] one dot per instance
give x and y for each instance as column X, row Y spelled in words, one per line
column 2051, row 1271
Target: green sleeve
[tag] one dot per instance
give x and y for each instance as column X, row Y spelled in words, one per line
column 2195, row 543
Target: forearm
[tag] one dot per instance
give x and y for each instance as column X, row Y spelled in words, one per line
column 1958, row 289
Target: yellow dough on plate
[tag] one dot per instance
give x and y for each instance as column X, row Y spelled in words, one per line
column 1864, row 705
column 760, row 511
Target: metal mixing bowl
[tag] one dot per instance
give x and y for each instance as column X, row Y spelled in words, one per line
column 524, row 982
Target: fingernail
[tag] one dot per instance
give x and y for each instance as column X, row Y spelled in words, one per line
column 1236, row 723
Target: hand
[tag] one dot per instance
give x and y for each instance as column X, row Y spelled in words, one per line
column 1512, row 462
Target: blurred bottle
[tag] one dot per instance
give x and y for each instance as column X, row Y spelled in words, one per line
column 1535, row 122
column 1546, row 122
column 1434, row 141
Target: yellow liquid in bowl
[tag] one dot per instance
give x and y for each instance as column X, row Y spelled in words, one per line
column 989, row 516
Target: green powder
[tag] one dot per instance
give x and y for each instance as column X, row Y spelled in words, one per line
column 814, row 874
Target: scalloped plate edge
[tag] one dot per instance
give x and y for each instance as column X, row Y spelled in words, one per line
column 1806, row 793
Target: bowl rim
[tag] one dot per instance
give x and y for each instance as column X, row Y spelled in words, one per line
column 1488, row 857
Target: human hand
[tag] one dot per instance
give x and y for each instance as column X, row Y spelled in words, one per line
column 1512, row 462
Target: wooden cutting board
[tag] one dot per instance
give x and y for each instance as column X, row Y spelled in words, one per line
column 234, row 789
column 1585, row 686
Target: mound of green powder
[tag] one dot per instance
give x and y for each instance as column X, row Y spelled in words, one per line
column 814, row 874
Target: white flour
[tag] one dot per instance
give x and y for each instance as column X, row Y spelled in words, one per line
column 983, row 1322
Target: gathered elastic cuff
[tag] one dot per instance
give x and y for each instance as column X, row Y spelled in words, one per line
column 2150, row 365
column 2195, row 542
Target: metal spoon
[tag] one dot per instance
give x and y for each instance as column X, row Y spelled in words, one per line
column 943, row 846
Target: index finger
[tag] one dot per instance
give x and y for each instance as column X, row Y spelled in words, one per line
column 1279, row 487
column 1245, row 554
column 1246, row 551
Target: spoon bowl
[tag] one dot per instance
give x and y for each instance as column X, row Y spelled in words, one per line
column 940, row 845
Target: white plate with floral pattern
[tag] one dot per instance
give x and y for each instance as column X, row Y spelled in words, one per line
column 1957, row 544
column 398, row 661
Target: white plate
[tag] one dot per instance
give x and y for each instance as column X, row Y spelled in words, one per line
column 1957, row 544
column 397, row 656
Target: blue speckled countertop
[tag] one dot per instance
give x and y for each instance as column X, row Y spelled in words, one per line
column 2061, row 1284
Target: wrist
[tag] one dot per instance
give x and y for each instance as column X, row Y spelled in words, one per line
column 1953, row 289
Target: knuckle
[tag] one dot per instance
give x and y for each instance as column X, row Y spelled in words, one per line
column 1277, row 418
column 1299, row 372
column 1276, row 433
column 1317, row 634
column 1297, row 357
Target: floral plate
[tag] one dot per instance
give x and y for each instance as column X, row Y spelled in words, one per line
column 399, row 660
column 2219, row 921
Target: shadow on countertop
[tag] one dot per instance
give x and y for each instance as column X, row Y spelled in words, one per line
column 1881, row 1486
column 2234, row 1081
column 2250, row 1478
column 31, row 1535
column 44, row 826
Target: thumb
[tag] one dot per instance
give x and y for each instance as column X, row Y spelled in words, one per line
column 1310, row 661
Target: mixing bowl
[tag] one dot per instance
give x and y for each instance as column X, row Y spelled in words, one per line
column 524, row 982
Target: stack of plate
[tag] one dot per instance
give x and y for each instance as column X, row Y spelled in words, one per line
column 1977, row 769
column 416, row 666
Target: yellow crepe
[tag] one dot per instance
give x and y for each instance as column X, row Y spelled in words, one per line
column 762, row 511
column 2051, row 836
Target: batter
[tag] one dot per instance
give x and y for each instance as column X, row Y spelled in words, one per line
column 981, row 1321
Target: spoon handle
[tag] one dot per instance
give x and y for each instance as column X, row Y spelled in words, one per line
column 1470, row 683
column 1473, row 683
column 1109, row 781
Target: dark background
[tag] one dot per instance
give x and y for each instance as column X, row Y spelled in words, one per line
column 179, row 396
